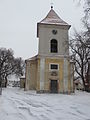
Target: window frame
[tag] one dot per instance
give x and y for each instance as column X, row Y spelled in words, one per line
column 52, row 45
column 53, row 64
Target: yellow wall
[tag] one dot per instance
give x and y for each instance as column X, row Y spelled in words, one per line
column 38, row 74
column 59, row 77
column 69, row 77
column 34, row 82
column 33, row 75
column 22, row 82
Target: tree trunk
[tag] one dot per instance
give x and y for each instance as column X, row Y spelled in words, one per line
column 5, row 82
column 0, row 86
column 83, row 82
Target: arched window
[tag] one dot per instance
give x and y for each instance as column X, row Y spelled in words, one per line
column 54, row 46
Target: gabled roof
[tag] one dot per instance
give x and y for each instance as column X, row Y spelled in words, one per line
column 53, row 18
column 32, row 58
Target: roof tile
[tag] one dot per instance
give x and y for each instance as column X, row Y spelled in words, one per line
column 53, row 18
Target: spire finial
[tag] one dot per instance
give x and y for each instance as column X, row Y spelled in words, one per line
column 51, row 5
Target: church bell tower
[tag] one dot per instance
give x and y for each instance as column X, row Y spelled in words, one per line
column 54, row 69
column 56, row 73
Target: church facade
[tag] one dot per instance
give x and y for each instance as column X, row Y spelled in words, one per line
column 51, row 70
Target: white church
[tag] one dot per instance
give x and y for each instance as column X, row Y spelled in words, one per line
column 51, row 70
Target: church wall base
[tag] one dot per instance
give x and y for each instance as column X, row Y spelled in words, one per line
column 43, row 91
column 47, row 91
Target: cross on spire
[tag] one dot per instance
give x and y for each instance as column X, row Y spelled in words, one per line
column 51, row 5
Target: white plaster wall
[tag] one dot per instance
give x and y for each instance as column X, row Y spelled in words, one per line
column 42, row 70
column 45, row 35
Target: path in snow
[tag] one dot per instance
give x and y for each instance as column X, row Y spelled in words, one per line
column 16, row 104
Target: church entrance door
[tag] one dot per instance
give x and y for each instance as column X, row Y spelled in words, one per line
column 54, row 86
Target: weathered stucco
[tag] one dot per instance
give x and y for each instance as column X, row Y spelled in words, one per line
column 38, row 73
column 31, row 74
column 46, row 35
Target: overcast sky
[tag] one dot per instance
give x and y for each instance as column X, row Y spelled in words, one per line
column 18, row 22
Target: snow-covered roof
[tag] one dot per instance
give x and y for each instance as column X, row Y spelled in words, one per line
column 53, row 18
column 32, row 58
column 22, row 77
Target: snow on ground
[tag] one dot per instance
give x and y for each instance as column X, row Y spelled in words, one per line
column 16, row 104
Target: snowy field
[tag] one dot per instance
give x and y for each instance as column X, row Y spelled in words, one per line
column 16, row 104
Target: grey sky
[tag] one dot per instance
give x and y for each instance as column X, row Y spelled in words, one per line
column 18, row 22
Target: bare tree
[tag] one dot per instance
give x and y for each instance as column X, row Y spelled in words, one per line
column 9, row 65
column 19, row 67
column 80, row 43
column 6, row 61
column 80, row 50
column 86, row 18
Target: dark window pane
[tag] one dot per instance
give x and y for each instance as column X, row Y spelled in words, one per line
column 54, row 46
column 53, row 66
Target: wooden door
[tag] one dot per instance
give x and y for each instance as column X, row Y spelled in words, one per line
column 54, row 86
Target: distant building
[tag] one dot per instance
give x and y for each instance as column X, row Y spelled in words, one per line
column 22, row 81
column 51, row 70
column 87, row 82
column 4, row 83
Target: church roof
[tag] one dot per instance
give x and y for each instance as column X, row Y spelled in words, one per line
column 32, row 58
column 53, row 18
